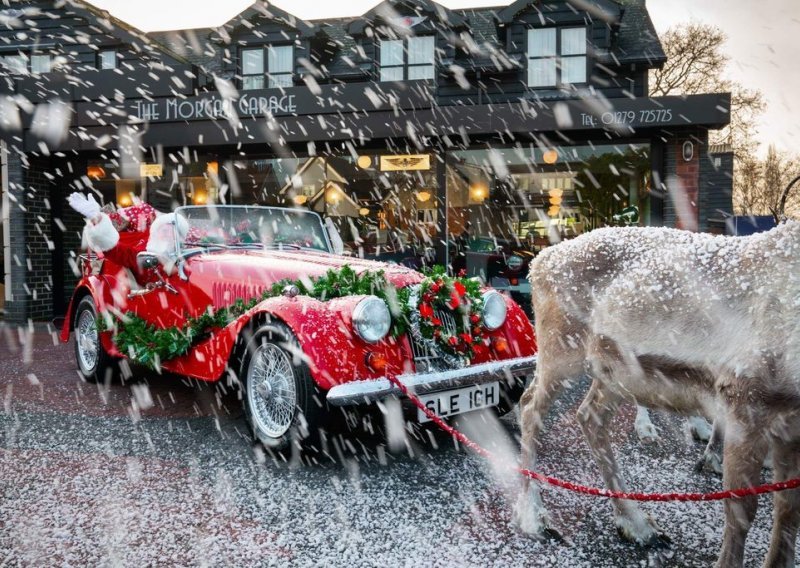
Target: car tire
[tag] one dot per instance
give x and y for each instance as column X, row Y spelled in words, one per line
column 282, row 404
column 95, row 365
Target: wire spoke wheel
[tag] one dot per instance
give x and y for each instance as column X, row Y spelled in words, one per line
column 87, row 341
column 271, row 390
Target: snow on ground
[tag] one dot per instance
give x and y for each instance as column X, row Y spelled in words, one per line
column 81, row 483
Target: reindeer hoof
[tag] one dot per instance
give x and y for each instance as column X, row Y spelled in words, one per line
column 709, row 463
column 646, row 431
column 659, row 541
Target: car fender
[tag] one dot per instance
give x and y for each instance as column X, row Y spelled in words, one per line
column 101, row 289
column 332, row 350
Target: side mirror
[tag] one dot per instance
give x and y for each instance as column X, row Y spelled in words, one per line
column 146, row 260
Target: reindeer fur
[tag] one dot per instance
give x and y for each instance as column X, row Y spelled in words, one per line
column 693, row 323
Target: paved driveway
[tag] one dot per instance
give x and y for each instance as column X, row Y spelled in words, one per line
column 161, row 471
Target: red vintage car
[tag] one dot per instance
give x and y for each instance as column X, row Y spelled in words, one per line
column 294, row 356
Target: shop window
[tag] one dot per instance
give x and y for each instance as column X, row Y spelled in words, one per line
column 497, row 225
column 107, row 59
column 556, row 56
column 411, row 59
column 278, row 71
column 384, row 206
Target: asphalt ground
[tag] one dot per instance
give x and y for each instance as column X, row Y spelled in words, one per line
column 161, row 471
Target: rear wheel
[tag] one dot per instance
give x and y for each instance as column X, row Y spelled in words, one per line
column 280, row 401
column 94, row 363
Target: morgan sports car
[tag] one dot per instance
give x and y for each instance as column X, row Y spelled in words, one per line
column 296, row 356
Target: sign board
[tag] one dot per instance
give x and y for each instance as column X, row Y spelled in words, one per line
column 408, row 162
column 151, row 170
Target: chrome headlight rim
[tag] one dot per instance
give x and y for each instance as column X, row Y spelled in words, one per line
column 494, row 300
column 372, row 312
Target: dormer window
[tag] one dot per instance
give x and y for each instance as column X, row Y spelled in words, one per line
column 18, row 63
column 40, row 63
column 410, row 59
column 107, row 59
column 278, row 70
column 556, row 56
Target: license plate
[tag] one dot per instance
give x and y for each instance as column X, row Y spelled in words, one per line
column 449, row 403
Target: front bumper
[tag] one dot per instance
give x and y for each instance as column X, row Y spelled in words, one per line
column 372, row 390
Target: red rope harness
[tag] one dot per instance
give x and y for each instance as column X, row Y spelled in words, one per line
column 715, row 496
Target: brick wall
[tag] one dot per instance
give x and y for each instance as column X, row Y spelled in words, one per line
column 31, row 241
column 716, row 190
column 684, row 180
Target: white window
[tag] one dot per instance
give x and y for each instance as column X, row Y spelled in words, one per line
column 15, row 64
column 107, row 59
column 556, row 56
column 253, row 69
column 40, row 64
column 274, row 70
column 413, row 59
column 280, row 63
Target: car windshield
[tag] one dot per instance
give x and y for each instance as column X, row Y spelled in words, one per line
column 232, row 226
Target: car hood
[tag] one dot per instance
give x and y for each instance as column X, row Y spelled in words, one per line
column 263, row 268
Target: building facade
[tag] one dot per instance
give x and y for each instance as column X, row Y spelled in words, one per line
column 472, row 138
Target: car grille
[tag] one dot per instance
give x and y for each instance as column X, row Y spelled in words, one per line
column 425, row 359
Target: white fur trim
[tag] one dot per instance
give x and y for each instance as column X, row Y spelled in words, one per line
column 102, row 236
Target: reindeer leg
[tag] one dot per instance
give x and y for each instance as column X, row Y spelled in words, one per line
column 712, row 455
column 530, row 515
column 700, row 429
column 786, row 516
column 595, row 415
column 745, row 449
column 645, row 428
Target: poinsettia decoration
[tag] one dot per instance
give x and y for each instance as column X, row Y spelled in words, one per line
column 418, row 309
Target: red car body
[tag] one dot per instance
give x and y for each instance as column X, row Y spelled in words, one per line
column 334, row 353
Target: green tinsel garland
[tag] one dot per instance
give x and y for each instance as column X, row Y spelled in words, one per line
column 148, row 345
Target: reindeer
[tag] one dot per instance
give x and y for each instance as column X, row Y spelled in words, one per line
column 693, row 323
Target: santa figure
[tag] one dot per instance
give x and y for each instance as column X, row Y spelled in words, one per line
column 121, row 235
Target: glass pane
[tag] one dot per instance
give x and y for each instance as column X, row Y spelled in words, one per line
column 252, row 62
column 391, row 73
column 108, row 59
column 252, row 82
column 40, row 64
column 541, row 72
column 420, row 72
column 15, row 64
column 420, row 50
column 280, row 59
column 542, row 42
column 391, row 52
column 573, row 70
column 282, row 80
column 573, row 41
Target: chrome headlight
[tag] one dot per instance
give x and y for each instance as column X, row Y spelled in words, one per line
column 494, row 310
column 371, row 319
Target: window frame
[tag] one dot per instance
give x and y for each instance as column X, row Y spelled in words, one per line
column 270, row 79
column 406, row 65
column 101, row 60
column 558, row 57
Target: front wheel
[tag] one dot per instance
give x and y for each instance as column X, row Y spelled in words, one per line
column 279, row 394
column 94, row 363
